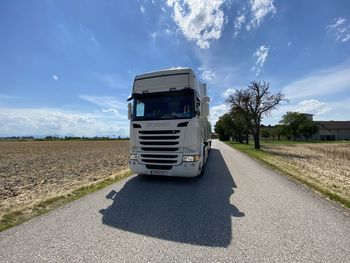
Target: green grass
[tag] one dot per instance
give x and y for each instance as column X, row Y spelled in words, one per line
column 17, row 217
column 270, row 141
column 270, row 161
column 263, row 141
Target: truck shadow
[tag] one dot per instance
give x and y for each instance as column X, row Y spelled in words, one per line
column 187, row 210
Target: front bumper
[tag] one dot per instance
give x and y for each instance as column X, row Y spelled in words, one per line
column 185, row 169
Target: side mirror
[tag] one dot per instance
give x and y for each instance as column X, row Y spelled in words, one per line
column 129, row 111
column 205, row 109
column 206, row 99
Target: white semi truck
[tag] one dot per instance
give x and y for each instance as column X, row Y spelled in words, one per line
column 169, row 123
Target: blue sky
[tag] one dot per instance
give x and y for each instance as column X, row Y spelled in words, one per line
column 67, row 67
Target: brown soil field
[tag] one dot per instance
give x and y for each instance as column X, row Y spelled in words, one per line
column 327, row 165
column 33, row 170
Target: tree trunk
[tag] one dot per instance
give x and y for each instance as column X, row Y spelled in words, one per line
column 247, row 138
column 256, row 141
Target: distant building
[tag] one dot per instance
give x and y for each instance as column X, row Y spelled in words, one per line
column 333, row 130
column 309, row 116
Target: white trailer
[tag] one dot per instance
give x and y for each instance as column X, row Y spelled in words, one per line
column 168, row 123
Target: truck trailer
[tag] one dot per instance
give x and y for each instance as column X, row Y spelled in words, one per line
column 169, row 123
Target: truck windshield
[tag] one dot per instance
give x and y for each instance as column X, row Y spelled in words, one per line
column 164, row 105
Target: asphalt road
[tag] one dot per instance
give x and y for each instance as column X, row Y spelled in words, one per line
column 238, row 211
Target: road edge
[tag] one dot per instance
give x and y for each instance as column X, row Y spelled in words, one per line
column 345, row 203
column 46, row 205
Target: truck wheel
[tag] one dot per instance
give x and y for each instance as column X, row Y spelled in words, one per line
column 201, row 173
column 203, row 165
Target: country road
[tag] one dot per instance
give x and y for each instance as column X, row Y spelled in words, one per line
column 239, row 211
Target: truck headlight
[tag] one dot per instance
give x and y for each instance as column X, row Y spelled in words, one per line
column 191, row 158
column 133, row 157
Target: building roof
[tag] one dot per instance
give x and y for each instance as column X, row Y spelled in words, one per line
column 334, row 125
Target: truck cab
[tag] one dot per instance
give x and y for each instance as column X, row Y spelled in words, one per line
column 168, row 123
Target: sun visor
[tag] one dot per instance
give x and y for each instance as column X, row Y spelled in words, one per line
column 185, row 91
column 159, row 83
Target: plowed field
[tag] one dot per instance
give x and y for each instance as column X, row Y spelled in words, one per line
column 33, row 170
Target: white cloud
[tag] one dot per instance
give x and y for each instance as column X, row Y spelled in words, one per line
column 115, row 112
column 341, row 29
column 260, row 9
column 153, row 36
column 225, row 74
column 238, row 23
column 104, row 101
column 200, row 21
column 50, row 121
column 55, row 77
column 93, row 39
column 142, row 9
column 322, row 110
column 228, row 92
column 261, row 54
column 207, row 75
column 326, row 82
column 312, row 94
column 108, row 104
column 167, row 32
column 252, row 14
column 7, row 97
column 313, row 106
column 289, row 43
column 217, row 111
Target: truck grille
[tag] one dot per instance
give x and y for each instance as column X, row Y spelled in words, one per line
column 160, row 132
column 155, row 149
column 159, row 148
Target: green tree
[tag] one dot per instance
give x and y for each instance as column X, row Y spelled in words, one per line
column 278, row 131
column 254, row 103
column 308, row 128
column 291, row 122
column 265, row 133
column 224, row 127
column 239, row 127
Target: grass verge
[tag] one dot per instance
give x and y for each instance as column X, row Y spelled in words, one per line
column 13, row 218
column 291, row 171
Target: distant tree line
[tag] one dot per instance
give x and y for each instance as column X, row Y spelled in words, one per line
column 249, row 106
column 17, row 138
column 293, row 125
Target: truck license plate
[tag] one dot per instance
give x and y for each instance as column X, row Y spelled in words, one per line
column 158, row 172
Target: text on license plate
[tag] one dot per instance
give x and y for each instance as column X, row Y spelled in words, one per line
column 158, row 172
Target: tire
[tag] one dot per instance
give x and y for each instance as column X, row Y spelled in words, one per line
column 203, row 166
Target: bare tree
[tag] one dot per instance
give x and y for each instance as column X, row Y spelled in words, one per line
column 255, row 102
